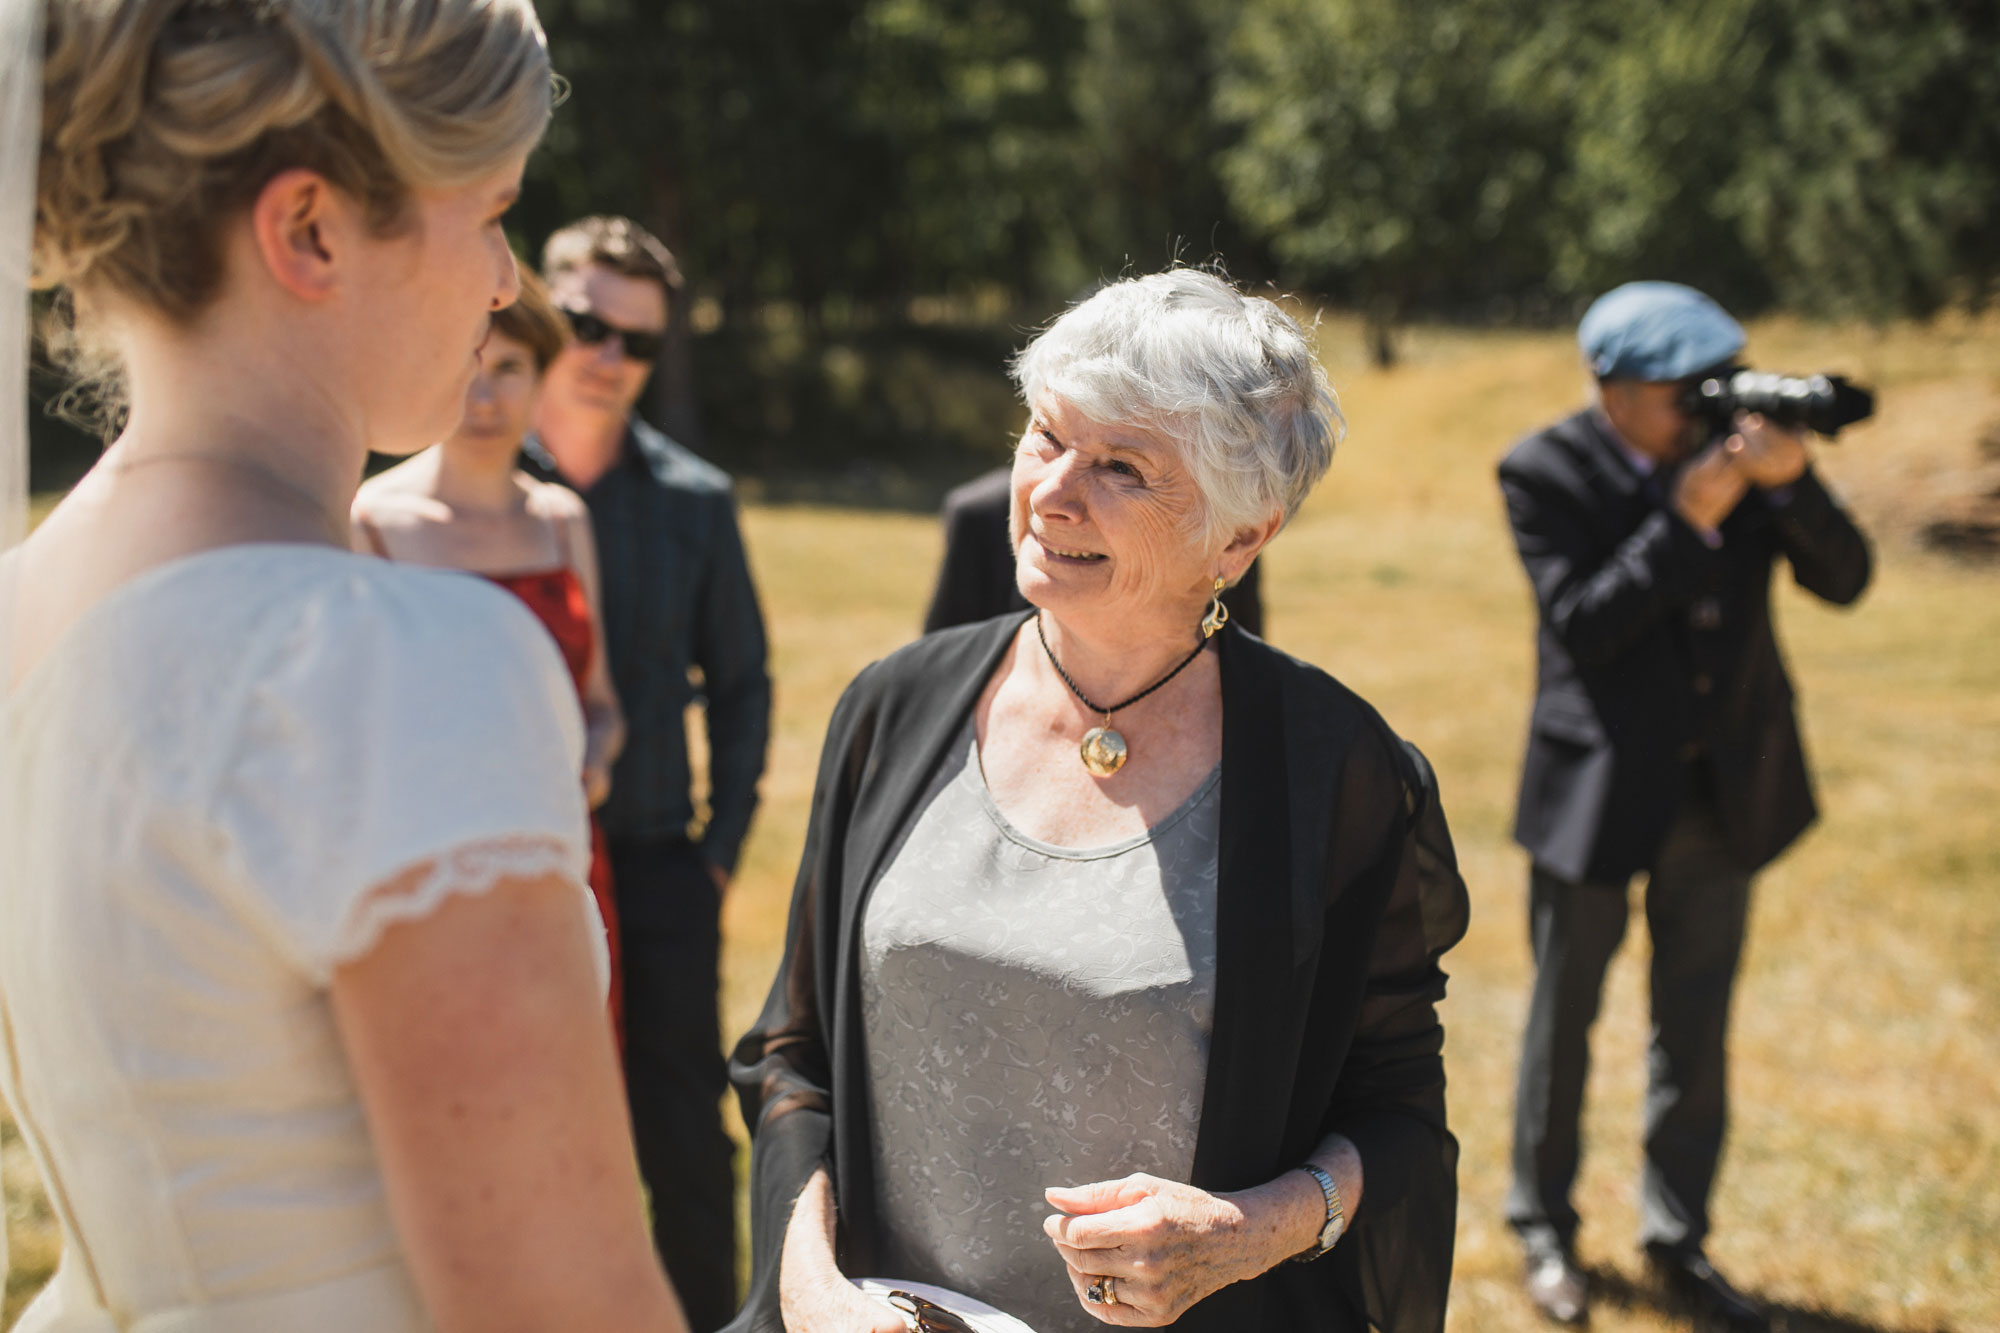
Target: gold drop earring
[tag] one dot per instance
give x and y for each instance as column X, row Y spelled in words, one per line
column 1218, row 614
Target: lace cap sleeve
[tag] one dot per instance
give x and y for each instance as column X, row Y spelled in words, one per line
column 408, row 721
column 470, row 868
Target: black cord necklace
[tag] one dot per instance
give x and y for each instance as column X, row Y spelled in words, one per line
column 1103, row 750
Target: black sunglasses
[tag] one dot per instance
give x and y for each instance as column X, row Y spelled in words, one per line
column 928, row 1316
column 639, row 344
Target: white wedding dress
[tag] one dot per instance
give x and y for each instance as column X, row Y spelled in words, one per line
column 199, row 786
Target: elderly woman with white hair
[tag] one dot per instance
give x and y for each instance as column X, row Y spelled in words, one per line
column 1112, row 973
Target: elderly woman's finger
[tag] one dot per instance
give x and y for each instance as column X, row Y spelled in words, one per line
column 1101, row 1196
column 1133, row 1308
column 1105, row 1231
column 1120, row 1262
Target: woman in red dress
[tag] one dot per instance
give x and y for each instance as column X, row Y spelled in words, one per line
column 465, row 504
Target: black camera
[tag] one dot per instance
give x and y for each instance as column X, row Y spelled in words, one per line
column 1822, row 403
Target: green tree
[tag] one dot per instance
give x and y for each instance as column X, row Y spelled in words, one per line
column 709, row 123
column 970, row 98
column 1147, row 138
column 810, row 150
column 821, row 165
column 1835, row 156
column 1392, row 154
column 1870, row 184
column 816, row 164
column 1659, row 106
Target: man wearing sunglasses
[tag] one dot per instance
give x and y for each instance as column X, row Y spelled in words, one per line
column 679, row 605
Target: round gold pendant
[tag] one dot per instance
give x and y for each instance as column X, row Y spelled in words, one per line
column 1103, row 751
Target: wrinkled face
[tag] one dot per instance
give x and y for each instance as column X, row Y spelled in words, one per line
column 1104, row 518
column 600, row 379
column 1649, row 415
column 500, row 405
column 429, row 291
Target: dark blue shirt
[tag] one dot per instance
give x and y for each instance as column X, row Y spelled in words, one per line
column 681, row 623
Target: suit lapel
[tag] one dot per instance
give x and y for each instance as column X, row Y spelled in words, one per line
column 1622, row 496
column 1612, row 472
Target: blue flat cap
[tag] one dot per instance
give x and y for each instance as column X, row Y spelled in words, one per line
column 1656, row 331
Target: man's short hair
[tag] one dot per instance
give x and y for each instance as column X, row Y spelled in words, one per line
column 534, row 322
column 616, row 243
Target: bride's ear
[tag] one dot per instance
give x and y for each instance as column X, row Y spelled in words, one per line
column 305, row 231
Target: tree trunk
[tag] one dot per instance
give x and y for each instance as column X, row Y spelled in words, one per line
column 1380, row 316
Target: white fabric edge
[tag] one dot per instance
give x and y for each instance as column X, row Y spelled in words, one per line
column 977, row 1313
column 20, row 156
column 20, row 162
column 468, row 869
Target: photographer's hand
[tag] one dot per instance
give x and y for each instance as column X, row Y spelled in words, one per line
column 1770, row 455
column 1709, row 488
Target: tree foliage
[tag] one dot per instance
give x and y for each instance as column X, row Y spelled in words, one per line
column 1874, row 187
column 1655, row 125
column 1147, row 139
column 1833, row 155
column 872, row 197
column 1392, row 153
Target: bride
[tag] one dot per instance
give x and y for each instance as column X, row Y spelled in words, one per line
column 301, row 986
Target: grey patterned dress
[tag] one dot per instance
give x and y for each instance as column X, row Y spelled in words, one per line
column 1035, row 1016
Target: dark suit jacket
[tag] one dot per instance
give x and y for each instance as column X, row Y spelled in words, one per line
column 976, row 580
column 1337, row 893
column 1655, row 649
column 678, row 598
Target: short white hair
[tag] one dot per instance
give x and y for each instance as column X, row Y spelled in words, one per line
column 1230, row 378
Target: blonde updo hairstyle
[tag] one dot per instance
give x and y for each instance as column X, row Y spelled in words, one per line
column 162, row 120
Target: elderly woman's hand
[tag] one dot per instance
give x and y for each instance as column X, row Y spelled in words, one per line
column 814, row 1296
column 840, row 1307
column 1168, row 1245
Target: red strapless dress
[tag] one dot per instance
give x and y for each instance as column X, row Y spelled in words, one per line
column 556, row 597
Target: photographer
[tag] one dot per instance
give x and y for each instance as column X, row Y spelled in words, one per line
column 1662, row 740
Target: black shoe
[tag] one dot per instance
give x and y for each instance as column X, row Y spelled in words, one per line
column 1700, row 1291
column 1556, row 1285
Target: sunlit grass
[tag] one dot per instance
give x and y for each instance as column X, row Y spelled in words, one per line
column 1863, row 1174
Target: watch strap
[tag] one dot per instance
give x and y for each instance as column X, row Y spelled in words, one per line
column 1335, row 1225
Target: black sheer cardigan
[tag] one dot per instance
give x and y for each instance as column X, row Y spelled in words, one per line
column 1337, row 893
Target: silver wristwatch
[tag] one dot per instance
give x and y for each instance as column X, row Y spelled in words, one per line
column 1336, row 1220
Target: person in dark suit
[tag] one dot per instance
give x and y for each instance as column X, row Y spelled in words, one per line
column 680, row 606
column 976, row 580
column 1662, row 741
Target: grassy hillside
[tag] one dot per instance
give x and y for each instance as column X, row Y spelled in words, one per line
column 1858, row 1191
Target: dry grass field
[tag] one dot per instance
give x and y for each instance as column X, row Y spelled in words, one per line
column 1861, row 1192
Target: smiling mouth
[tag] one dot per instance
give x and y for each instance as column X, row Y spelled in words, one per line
column 1055, row 550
